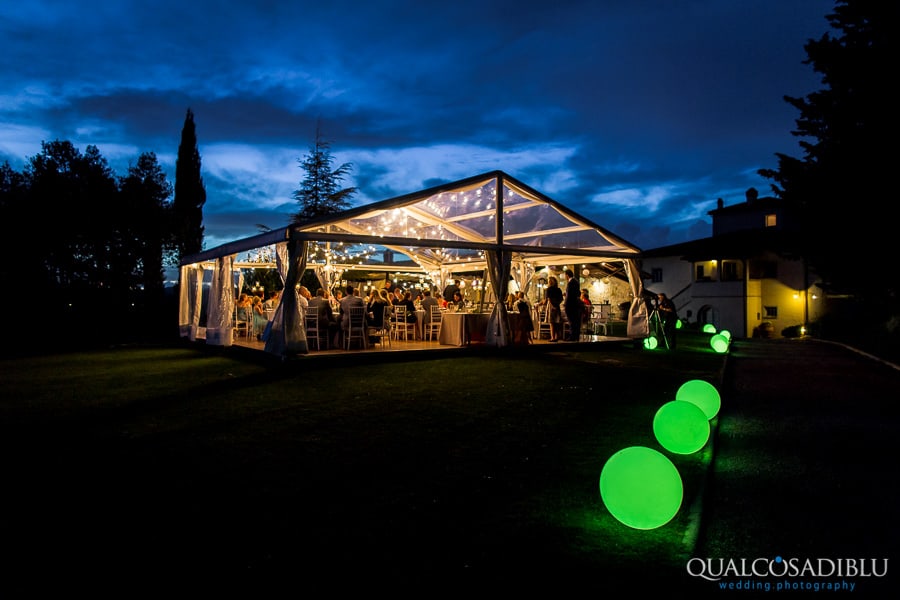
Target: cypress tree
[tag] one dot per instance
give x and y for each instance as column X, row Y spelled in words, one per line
column 190, row 194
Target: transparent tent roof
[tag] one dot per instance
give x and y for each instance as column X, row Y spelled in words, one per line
column 449, row 227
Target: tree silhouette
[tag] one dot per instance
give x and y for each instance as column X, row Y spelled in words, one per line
column 320, row 193
column 145, row 193
column 846, row 166
column 190, row 194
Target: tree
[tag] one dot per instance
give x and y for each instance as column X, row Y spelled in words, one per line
column 843, row 180
column 73, row 197
column 320, row 193
column 190, row 194
column 145, row 197
column 19, row 259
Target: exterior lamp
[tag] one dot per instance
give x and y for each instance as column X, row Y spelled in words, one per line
column 641, row 487
column 681, row 427
column 719, row 343
column 703, row 394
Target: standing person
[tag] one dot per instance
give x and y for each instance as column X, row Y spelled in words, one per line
column 451, row 289
column 521, row 318
column 553, row 298
column 669, row 316
column 573, row 306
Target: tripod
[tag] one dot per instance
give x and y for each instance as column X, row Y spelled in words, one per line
column 658, row 325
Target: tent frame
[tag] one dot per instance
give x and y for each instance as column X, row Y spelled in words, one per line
column 494, row 253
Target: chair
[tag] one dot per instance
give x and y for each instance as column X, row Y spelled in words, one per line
column 357, row 329
column 243, row 322
column 543, row 326
column 433, row 327
column 384, row 332
column 314, row 333
column 401, row 326
column 600, row 319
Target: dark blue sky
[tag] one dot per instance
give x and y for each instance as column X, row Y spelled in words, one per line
column 638, row 114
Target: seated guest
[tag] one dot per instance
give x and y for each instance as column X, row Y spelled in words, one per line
column 351, row 299
column 303, row 297
column 458, row 303
column 335, row 300
column 588, row 306
column 272, row 302
column 321, row 307
column 427, row 302
column 410, row 307
column 375, row 317
column 242, row 307
column 260, row 319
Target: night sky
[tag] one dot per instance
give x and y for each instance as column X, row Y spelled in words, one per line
column 638, row 114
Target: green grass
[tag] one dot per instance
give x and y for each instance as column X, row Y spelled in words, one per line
column 162, row 463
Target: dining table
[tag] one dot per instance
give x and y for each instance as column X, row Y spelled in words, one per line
column 462, row 328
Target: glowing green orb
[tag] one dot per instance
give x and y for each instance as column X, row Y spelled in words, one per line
column 641, row 487
column 709, row 328
column 681, row 427
column 719, row 343
column 651, row 342
column 679, row 324
column 726, row 333
column 703, row 394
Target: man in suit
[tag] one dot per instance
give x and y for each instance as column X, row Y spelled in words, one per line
column 573, row 306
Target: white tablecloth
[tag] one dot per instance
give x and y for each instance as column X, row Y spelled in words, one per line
column 458, row 329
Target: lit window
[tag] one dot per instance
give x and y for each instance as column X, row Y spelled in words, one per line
column 771, row 220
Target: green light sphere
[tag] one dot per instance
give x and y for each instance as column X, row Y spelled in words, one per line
column 703, row 394
column 719, row 343
column 651, row 342
column 681, row 427
column 679, row 324
column 709, row 328
column 726, row 333
column 641, row 487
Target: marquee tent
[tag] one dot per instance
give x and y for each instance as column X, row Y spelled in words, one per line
column 490, row 222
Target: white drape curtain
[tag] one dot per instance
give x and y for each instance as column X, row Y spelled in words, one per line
column 281, row 260
column 189, row 300
column 498, row 269
column 219, row 317
column 638, row 319
column 288, row 333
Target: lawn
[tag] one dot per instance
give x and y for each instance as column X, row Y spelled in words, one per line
column 189, row 467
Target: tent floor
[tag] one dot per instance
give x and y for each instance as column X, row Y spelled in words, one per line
column 422, row 345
